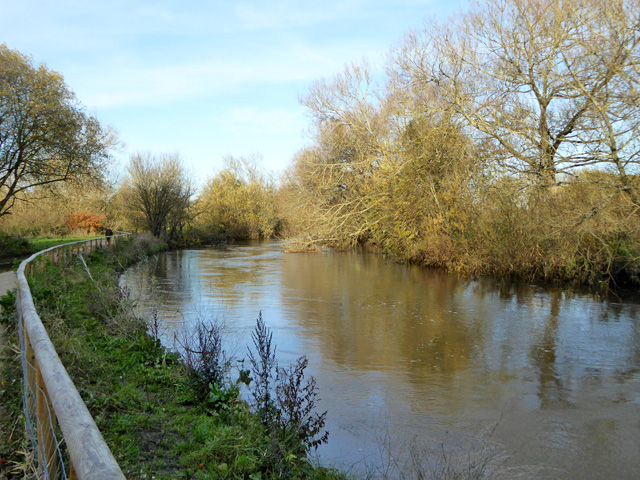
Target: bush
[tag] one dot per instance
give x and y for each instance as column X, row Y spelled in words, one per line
column 13, row 246
column 263, row 365
column 206, row 361
column 296, row 415
column 87, row 222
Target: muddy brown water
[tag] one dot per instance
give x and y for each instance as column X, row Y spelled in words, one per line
column 539, row 383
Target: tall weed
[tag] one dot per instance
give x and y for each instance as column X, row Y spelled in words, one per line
column 202, row 352
column 296, row 414
column 264, row 367
column 285, row 399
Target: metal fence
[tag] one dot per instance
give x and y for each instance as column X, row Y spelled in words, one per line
column 67, row 442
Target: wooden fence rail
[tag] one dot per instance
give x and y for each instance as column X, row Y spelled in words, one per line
column 51, row 402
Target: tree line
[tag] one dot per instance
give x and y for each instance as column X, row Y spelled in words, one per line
column 54, row 173
column 502, row 141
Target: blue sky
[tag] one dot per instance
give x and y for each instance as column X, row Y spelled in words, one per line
column 206, row 79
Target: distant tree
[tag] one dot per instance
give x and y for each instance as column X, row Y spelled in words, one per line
column 239, row 201
column 47, row 212
column 46, row 138
column 158, row 193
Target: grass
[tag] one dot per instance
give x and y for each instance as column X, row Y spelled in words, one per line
column 11, row 428
column 42, row 243
column 15, row 247
column 140, row 394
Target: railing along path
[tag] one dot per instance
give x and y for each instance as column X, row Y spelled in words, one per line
column 52, row 405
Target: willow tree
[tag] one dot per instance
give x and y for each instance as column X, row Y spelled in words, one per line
column 46, row 138
column 157, row 193
column 334, row 179
column 239, row 201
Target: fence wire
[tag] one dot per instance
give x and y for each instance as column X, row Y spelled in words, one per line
column 41, row 430
column 51, row 457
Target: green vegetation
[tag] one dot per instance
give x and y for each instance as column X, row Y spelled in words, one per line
column 42, row 243
column 159, row 415
column 15, row 246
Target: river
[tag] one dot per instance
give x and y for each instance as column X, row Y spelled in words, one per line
column 416, row 363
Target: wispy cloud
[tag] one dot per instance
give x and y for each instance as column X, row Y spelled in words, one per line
column 264, row 121
column 125, row 80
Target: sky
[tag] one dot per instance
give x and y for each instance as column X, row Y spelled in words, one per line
column 207, row 79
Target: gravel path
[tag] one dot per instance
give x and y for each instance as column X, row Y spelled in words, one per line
column 7, row 282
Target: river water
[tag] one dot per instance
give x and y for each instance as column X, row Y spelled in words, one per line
column 415, row 363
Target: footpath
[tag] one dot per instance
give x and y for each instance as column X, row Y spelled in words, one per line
column 7, row 282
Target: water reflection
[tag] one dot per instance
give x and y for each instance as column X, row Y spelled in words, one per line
column 419, row 356
column 366, row 320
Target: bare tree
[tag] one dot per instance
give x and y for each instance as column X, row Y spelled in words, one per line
column 610, row 52
column 524, row 76
column 158, row 191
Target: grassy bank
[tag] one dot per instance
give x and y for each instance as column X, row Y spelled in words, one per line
column 158, row 417
column 14, row 246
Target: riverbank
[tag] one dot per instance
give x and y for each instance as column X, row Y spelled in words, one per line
column 16, row 248
column 428, row 362
column 143, row 398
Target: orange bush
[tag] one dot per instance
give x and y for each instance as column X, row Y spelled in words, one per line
column 86, row 221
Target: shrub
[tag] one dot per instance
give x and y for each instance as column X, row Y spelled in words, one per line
column 289, row 415
column 296, row 415
column 263, row 365
column 13, row 246
column 86, row 221
column 201, row 351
